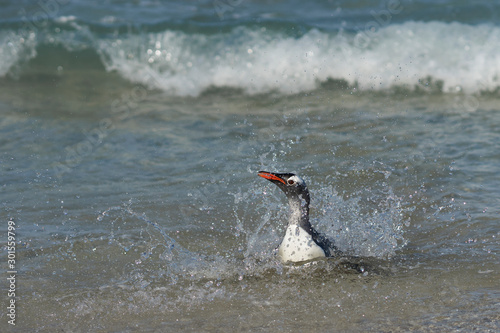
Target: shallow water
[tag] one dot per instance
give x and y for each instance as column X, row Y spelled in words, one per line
column 136, row 197
column 164, row 224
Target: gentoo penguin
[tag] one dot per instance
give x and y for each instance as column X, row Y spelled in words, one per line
column 301, row 242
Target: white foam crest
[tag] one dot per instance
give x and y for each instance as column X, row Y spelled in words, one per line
column 463, row 57
column 15, row 48
column 65, row 19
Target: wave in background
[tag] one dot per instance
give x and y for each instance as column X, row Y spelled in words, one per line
column 437, row 56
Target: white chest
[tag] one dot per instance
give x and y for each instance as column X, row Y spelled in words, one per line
column 298, row 245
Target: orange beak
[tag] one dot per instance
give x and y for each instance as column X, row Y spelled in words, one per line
column 270, row 176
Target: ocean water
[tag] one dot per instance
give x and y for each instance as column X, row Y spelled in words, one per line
column 132, row 133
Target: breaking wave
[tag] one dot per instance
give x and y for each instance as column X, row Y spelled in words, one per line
column 435, row 56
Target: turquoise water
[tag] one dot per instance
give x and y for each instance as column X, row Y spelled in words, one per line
column 132, row 133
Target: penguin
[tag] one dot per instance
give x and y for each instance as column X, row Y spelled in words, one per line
column 301, row 241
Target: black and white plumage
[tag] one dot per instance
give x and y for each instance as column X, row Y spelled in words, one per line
column 301, row 241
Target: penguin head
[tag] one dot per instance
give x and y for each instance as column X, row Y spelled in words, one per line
column 291, row 184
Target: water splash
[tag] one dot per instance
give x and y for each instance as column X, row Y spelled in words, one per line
column 362, row 224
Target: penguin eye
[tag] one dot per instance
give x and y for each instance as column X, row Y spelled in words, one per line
column 290, row 182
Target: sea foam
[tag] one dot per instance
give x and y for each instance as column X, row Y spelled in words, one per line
column 461, row 58
column 447, row 57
